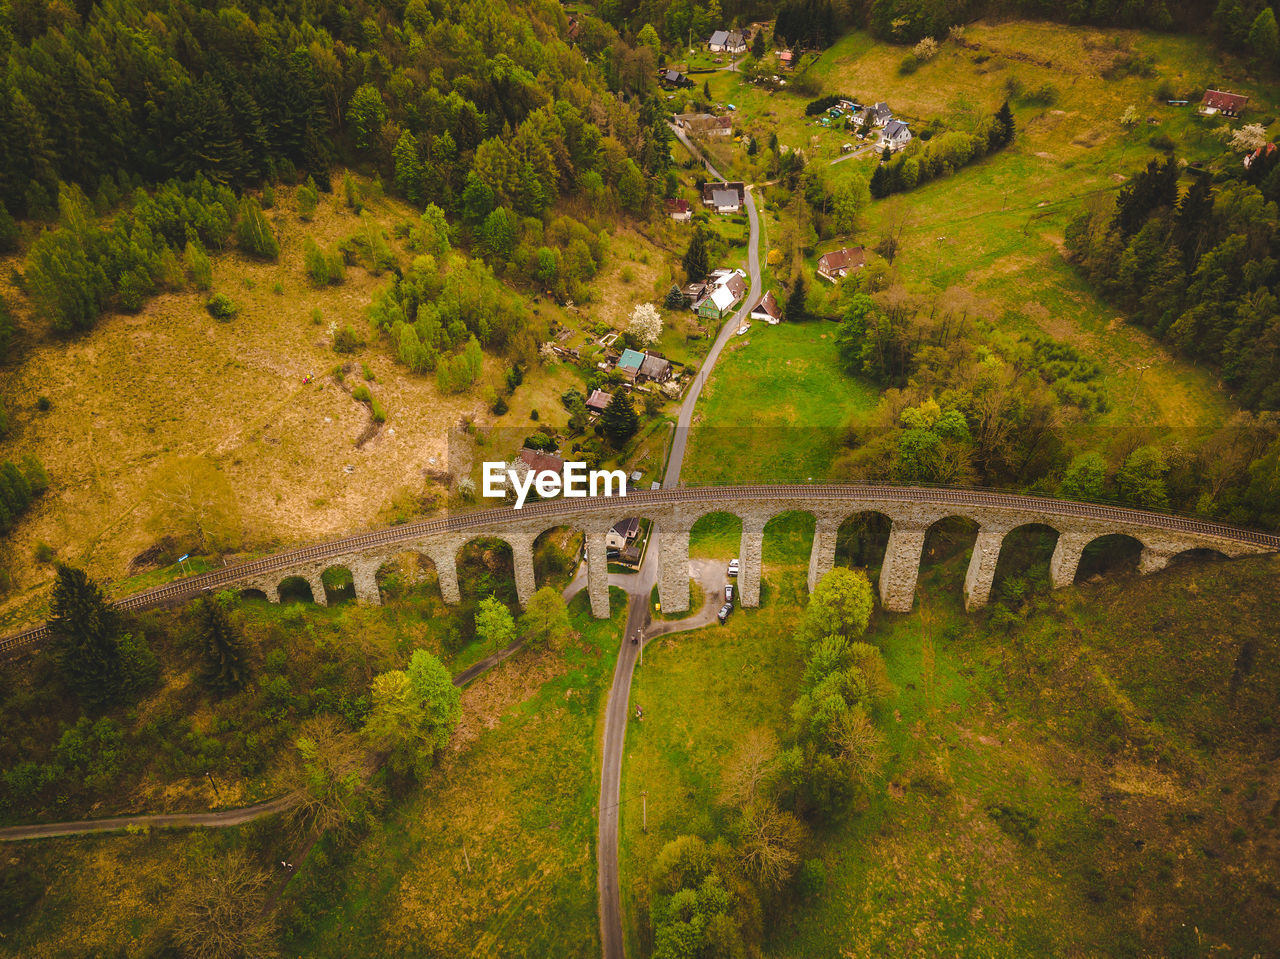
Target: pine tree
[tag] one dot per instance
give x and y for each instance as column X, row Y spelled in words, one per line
column 619, row 420
column 87, row 634
column 1264, row 37
column 796, row 310
column 879, row 183
column 757, row 44
column 222, row 646
column 695, row 262
column 1003, row 129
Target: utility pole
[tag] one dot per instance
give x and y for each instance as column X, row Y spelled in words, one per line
column 217, row 795
column 644, row 810
column 465, row 857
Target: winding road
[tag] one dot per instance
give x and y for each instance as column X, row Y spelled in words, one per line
column 639, row 588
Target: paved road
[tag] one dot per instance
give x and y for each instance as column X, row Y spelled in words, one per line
column 639, row 588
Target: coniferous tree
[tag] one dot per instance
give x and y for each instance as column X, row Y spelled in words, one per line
column 757, row 44
column 619, row 421
column 87, row 632
column 695, row 262
column 796, row 310
column 222, row 645
column 1003, row 129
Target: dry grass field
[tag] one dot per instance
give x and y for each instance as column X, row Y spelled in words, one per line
column 141, row 392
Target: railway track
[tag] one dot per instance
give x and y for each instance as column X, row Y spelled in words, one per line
column 189, row 587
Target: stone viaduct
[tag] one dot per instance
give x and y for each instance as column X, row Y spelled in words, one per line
column 911, row 511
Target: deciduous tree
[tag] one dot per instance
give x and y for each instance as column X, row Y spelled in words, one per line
column 546, row 620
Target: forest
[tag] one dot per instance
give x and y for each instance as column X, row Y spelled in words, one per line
column 1197, row 268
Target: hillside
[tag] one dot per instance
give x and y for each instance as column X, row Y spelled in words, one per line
column 1084, row 781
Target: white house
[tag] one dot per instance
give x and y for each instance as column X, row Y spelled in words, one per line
column 896, row 135
column 767, row 309
column 727, row 41
column 881, row 114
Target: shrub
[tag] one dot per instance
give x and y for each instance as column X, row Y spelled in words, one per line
column 324, row 268
column 44, row 553
column 308, row 199
column 362, row 394
column 44, row 404
column 365, row 371
column 8, row 231
column 1162, row 141
column 220, row 307
column 253, row 233
column 346, row 340
column 909, row 65
column 379, row 414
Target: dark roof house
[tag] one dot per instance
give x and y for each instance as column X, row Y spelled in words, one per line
column 835, row 265
column 598, row 400
column 655, row 367
column 725, row 196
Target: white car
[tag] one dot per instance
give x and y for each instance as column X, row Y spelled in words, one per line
column 733, row 566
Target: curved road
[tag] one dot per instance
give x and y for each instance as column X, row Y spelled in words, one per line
column 616, row 710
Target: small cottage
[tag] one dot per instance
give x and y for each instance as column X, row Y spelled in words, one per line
column 1220, row 103
column 767, row 309
column 834, row 266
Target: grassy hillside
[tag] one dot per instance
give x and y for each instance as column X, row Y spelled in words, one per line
column 121, row 412
column 991, row 235
column 496, row 847
column 1085, row 784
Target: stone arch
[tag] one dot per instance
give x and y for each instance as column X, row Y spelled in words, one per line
column 557, row 551
column 1109, row 555
column 338, row 582
column 253, row 593
column 405, row 573
column 1198, row 554
column 949, row 548
column 486, row 565
column 716, row 532
column 1026, row 552
column 862, row 539
column 296, row 589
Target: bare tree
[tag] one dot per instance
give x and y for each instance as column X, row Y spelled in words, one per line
column 223, row 916
column 750, row 768
column 769, row 847
column 860, row 746
column 195, row 503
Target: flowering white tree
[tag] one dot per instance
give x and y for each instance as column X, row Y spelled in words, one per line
column 646, row 324
column 547, row 352
column 1130, row 118
column 1248, row 138
column 926, row 49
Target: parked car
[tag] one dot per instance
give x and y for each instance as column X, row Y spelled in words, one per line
column 725, row 610
column 728, row 592
column 733, row 566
